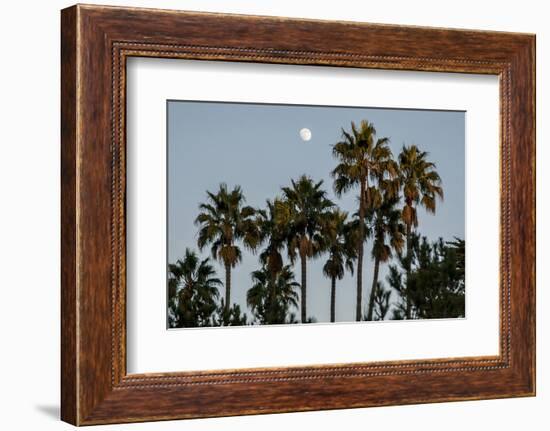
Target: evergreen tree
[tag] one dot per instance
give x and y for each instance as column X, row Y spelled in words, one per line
column 192, row 292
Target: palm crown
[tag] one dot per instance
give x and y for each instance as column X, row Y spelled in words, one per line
column 388, row 235
column 421, row 185
column 272, row 295
column 362, row 157
column 193, row 289
column 223, row 223
column 341, row 253
column 305, row 209
column 273, row 227
column 339, row 234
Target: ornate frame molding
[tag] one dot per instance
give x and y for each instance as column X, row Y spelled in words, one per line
column 96, row 41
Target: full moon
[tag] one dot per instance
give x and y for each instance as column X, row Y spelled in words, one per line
column 305, row 134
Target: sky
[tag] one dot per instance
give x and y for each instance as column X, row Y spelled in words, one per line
column 258, row 147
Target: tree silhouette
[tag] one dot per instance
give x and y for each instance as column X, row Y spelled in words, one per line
column 272, row 295
column 421, row 185
column 192, row 292
column 436, row 285
column 341, row 252
column 388, row 232
column 306, row 207
column 224, row 222
column 273, row 226
column 229, row 316
column 361, row 158
column 427, row 281
column 381, row 302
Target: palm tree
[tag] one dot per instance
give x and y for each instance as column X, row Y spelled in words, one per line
column 272, row 295
column 341, row 250
column 224, row 222
column 421, row 185
column 306, row 207
column 192, row 291
column 388, row 231
column 273, row 228
column 361, row 157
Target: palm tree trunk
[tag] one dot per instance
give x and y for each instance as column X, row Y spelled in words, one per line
column 270, row 311
column 227, row 287
column 374, row 288
column 359, row 303
column 408, row 275
column 333, row 299
column 303, row 261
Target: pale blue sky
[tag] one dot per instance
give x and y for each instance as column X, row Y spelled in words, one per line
column 258, row 147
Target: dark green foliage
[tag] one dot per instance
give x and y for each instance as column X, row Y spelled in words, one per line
column 436, row 287
column 273, row 295
column 192, row 292
column 229, row 316
column 381, row 302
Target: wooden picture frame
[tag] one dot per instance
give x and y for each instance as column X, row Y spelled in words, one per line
column 95, row 43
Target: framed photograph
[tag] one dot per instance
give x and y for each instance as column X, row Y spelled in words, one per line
column 266, row 215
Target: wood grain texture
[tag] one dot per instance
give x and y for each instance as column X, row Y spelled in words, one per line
column 69, row 397
column 96, row 41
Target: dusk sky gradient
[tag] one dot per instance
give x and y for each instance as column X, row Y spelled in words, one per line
column 258, row 147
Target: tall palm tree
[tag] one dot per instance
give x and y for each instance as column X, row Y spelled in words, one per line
column 341, row 252
column 306, row 207
column 224, row 222
column 272, row 295
column 273, row 226
column 388, row 232
column 192, row 291
column 421, row 185
column 362, row 157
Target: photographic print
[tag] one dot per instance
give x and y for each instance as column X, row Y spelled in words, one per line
column 300, row 203
column 295, row 214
